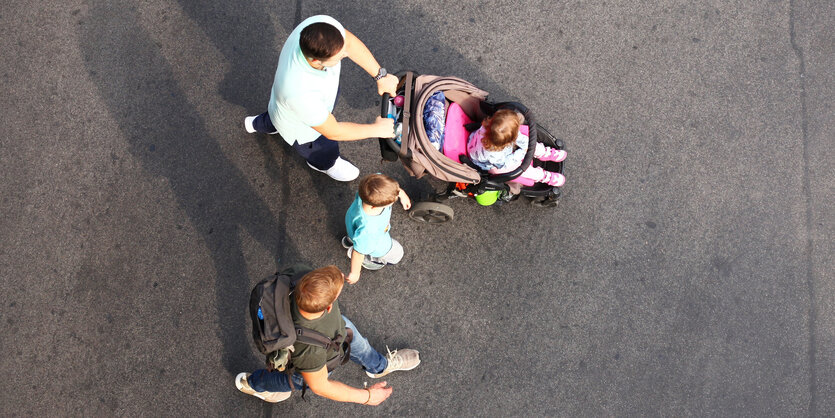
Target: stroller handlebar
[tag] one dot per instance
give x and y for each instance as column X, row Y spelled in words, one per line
column 384, row 105
column 389, row 149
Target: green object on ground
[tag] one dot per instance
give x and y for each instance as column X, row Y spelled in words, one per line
column 487, row 198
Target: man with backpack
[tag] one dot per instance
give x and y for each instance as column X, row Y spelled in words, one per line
column 323, row 340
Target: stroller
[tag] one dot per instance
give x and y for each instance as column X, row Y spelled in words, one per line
column 466, row 106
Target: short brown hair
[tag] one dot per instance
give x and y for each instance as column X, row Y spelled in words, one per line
column 320, row 41
column 500, row 130
column 378, row 190
column 318, row 289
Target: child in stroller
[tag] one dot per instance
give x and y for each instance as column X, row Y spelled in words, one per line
column 499, row 146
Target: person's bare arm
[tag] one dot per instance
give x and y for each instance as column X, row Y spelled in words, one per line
column 404, row 199
column 359, row 53
column 356, row 267
column 349, row 131
column 320, row 384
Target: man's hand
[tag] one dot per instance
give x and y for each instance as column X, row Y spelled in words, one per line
column 388, row 84
column 384, row 127
column 404, row 200
column 379, row 393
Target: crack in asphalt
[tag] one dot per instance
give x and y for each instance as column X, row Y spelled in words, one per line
column 807, row 193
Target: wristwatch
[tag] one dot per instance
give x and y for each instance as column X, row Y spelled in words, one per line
column 380, row 74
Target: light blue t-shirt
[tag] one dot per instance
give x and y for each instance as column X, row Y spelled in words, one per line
column 302, row 96
column 370, row 233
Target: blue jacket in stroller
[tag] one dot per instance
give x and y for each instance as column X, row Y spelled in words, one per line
column 434, row 115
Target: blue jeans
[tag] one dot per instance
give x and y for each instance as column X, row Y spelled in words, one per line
column 362, row 353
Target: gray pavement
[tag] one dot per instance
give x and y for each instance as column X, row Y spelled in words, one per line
column 686, row 272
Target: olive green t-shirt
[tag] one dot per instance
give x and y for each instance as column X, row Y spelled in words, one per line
column 309, row 358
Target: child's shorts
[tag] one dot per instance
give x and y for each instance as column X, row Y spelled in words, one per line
column 394, row 255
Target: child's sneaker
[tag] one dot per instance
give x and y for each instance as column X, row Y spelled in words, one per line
column 405, row 359
column 553, row 154
column 368, row 263
column 553, row 179
column 243, row 385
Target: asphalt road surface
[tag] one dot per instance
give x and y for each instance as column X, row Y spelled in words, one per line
column 687, row 271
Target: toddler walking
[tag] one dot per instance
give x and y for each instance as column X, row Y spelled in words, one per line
column 367, row 223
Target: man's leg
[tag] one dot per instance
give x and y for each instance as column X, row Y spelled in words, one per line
column 261, row 123
column 268, row 386
column 363, row 353
column 321, row 154
column 375, row 364
column 275, row 381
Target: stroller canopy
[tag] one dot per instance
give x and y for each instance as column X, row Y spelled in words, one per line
column 423, row 156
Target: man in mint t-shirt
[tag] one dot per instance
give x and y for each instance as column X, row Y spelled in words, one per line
column 304, row 93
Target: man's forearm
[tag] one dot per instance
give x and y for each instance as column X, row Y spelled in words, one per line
column 341, row 392
column 349, row 131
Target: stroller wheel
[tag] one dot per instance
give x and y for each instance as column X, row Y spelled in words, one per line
column 545, row 202
column 431, row 212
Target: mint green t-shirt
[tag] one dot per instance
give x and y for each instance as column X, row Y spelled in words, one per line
column 302, row 96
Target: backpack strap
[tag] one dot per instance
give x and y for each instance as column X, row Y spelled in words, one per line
column 315, row 338
column 341, row 344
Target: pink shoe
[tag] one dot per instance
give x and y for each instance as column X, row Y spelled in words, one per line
column 555, row 155
column 553, row 179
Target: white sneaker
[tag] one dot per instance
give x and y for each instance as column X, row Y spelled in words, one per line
column 248, row 124
column 342, row 170
column 273, row 397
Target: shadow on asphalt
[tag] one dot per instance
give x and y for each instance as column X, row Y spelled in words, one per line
column 169, row 138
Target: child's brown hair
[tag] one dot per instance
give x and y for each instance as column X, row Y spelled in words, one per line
column 500, row 130
column 378, row 190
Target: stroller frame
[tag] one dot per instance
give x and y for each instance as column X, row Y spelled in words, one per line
column 464, row 179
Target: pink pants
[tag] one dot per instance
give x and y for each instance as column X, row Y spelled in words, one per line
column 532, row 174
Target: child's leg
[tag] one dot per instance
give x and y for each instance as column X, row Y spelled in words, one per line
column 539, row 175
column 543, row 153
column 394, row 255
column 369, row 263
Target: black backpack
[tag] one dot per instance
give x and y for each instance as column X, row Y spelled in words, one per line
column 273, row 329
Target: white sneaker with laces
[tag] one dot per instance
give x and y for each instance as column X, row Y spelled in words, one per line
column 405, row 359
column 342, row 170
